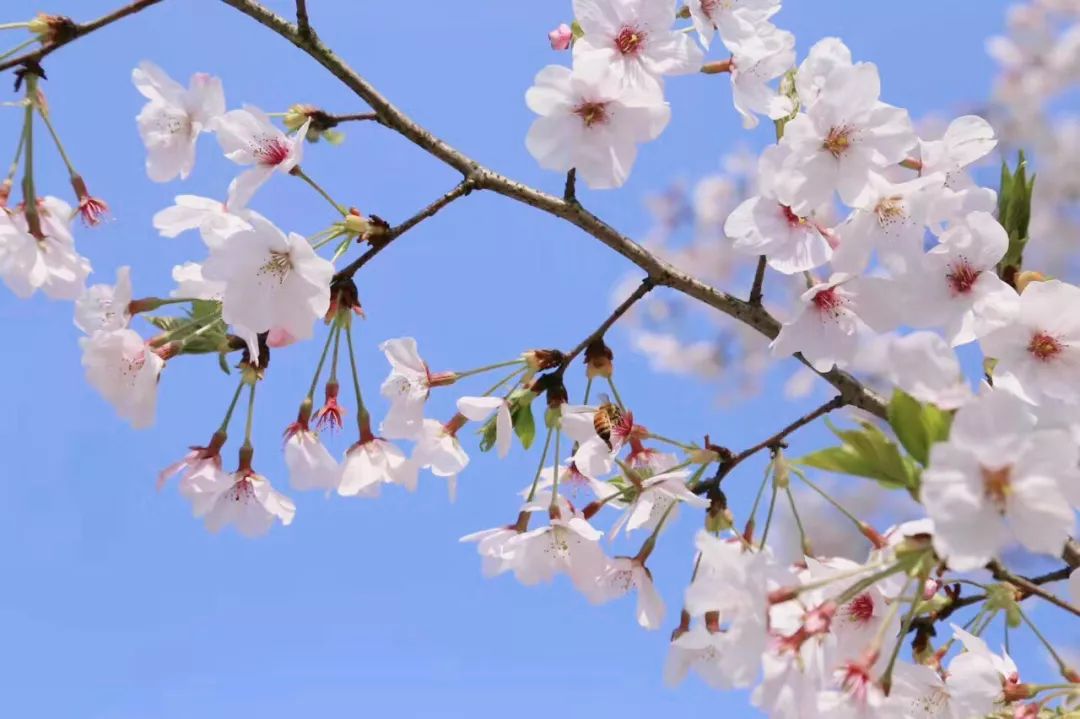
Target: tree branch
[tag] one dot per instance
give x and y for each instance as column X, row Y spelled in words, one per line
column 759, row 282
column 381, row 241
column 1029, row 586
column 73, row 32
column 660, row 271
column 642, row 290
column 303, row 24
column 774, row 441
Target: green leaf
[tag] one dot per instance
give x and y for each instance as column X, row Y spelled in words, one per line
column 1014, row 212
column 524, row 424
column 917, row 425
column 867, row 452
column 166, row 324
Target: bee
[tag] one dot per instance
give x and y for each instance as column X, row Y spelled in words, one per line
column 607, row 417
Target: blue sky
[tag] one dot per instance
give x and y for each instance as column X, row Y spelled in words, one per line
column 118, row 604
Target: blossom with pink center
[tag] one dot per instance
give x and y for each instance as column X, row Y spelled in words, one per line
column 214, row 221
column 657, row 497
column 764, row 225
column 1040, row 345
column 853, row 693
column 248, row 137
column 843, row 137
column 968, row 689
column 124, row 369
column 956, row 287
column 593, row 125
column 826, row 330
column 998, row 479
column 373, row 462
column 634, row 42
column 243, row 499
column 50, row 262
column 105, row 307
column 407, row 387
column 170, row 123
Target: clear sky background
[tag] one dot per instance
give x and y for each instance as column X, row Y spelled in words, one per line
column 116, row 603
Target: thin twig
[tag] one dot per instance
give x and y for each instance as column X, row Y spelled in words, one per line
column 358, row 117
column 74, row 32
column 380, row 242
column 642, row 289
column 570, row 191
column 759, row 282
column 303, row 24
column 1028, row 586
column 773, row 441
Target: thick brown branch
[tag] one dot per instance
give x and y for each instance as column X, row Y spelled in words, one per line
column 642, row 290
column 1029, row 586
column 660, row 271
column 74, row 32
column 769, row 443
column 381, row 241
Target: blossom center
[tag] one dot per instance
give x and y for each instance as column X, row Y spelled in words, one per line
column 861, row 608
column 242, row 491
column 839, row 140
column 592, row 113
column 961, row 276
column 828, row 301
column 1044, row 346
column 629, row 41
column 890, row 210
column 996, row 484
column 278, row 266
column 792, row 219
column 270, row 150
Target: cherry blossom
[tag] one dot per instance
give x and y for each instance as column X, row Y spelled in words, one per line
column 843, row 136
column 956, row 286
column 1040, row 346
column 311, row 466
column 248, row 137
column 49, row 263
column 124, row 369
column 477, row 409
column 857, row 622
column 756, row 61
column 966, row 141
column 623, row 574
column 244, row 499
column 633, row 41
column 825, row 56
column 190, row 283
column 211, row 218
column 438, row 449
column 272, row 280
column 407, row 387
column 997, row 478
column 923, row 365
column 968, row 689
column 371, row 463
column 496, row 549
column 826, row 330
column 568, row 544
column 105, row 307
column 734, row 20
column 657, row 497
column 591, row 125
column 170, row 123
column 764, row 225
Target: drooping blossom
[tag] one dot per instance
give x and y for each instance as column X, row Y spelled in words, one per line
column 734, row 20
column 105, row 307
column 438, row 449
column 248, row 137
column 756, row 61
column 50, row 262
column 210, row 217
column 124, row 369
column 591, row 125
column 243, row 499
column 407, row 387
column 657, row 498
column 373, row 462
column 478, row 409
column 171, row 122
column 311, row 466
column 619, row 577
column 567, row 545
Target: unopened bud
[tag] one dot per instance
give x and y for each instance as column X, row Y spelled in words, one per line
column 1025, row 278
column 598, row 360
column 53, row 28
column 297, row 115
column 719, row 521
column 561, row 37
column 1016, row 691
column 781, row 473
column 356, row 224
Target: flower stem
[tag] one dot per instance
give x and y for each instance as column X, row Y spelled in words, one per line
column 250, row 416
column 673, row 442
column 322, row 361
column 588, row 389
column 863, row 584
column 487, row 368
column 615, row 393
column 14, row 167
column 840, row 508
column 17, row 48
column 886, row 678
column 232, row 406
column 303, row 176
column 56, row 140
column 362, row 420
column 491, row 390
column 1063, row 668
column 557, row 467
column 13, row 25
column 803, row 541
column 768, row 519
column 334, row 358
column 879, row 636
column 650, row 543
column 540, row 468
column 30, row 207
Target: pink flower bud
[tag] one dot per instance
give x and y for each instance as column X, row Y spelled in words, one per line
column 561, row 37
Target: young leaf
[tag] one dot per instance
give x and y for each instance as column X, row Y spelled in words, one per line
column 867, row 452
column 917, row 425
